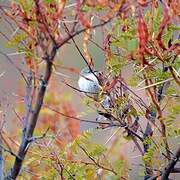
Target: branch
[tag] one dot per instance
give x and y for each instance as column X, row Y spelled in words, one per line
column 9, row 151
column 49, row 57
column 17, row 23
column 159, row 111
column 175, row 170
column 28, row 102
column 95, row 162
column 73, row 117
column 176, row 78
column 34, row 139
column 35, row 114
column 38, row 104
column 14, row 65
column 169, row 168
column 81, row 54
column 73, row 34
column 42, row 19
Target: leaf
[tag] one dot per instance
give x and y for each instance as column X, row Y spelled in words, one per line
column 171, row 90
column 142, row 34
column 97, row 150
column 173, row 27
column 132, row 45
column 46, row 111
column 116, row 64
column 119, row 166
column 16, row 40
column 148, row 156
column 49, row 1
column 133, row 81
column 30, row 161
column 175, row 110
column 85, row 8
column 90, row 172
column 81, row 139
column 163, row 24
column 84, row 21
column 26, row 5
column 177, row 132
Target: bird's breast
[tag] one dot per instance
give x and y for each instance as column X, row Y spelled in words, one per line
column 89, row 84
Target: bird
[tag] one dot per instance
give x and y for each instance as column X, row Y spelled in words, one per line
column 88, row 82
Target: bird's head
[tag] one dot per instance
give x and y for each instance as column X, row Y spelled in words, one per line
column 85, row 71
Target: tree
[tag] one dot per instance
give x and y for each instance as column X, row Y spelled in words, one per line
column 140, row 35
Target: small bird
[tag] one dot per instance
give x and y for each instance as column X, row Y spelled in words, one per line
column 88, row 82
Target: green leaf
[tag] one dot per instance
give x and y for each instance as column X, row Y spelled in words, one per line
column 90, row 172
column 85, row 8
column 132, row 45
column 175, row 109
column 119, row 166
column 116, row 64
column 49, row 1
column 97, row 150
column 133, row 81
column 26, row 5
column 148, row 156
column 16, row 40
column 84, row 138
column 177, row 132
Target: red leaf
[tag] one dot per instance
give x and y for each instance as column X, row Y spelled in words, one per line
column 106, row 46
column 143, row 2
column 60, row 9
column 73, row 125
column 111, row 85
column 164, row 23
column 176, row 48
column 81, row 16
column 143, row 37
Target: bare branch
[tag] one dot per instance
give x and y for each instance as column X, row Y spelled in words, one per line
column 28, row 102
column 95, row 162
column 75, row 33
column 75, row 118
column 176, row 78
column 168, row 169
column 33, row 120
column 14, row 65
column 9, row 151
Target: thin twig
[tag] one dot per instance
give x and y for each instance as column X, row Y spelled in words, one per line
column 14, row 65
column 73, row 117
column 9, row 151
column 95, row 162
column 176, row 78
column 33, row 120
